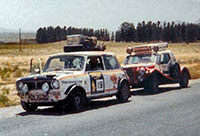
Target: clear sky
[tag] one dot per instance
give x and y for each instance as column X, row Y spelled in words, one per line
column 32, row 14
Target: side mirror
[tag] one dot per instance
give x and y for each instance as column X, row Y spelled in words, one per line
column 34, row 67
column 37, row 71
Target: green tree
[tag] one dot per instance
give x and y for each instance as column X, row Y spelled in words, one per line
column 112, row 37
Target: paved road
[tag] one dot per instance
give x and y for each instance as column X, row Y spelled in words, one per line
column 173, row 112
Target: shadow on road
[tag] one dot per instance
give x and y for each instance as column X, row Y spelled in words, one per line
column 161, row 90
column 95, row 104
column 51, row 111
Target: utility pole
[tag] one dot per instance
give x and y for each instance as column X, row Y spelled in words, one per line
column 20, row 41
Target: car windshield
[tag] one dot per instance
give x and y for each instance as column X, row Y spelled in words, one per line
column 140, row 59
column 64, row 63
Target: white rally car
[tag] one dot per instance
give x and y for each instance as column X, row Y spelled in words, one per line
column 71, row 78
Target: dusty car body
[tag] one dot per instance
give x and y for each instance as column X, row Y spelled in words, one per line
column 152, row 65
column 71, row 78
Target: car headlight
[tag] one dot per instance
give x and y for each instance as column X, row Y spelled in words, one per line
column 55, row 84
column 25, row 88
column 45, row 87
column 141, row 72
column 20, row 85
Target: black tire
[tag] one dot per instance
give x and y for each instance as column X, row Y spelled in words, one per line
column 151, row 85
column 77, row 101
column 184, row 80
column 146, row 87
column 124, row 93
column 60, row 107
column 175, row 71
column 28, row 107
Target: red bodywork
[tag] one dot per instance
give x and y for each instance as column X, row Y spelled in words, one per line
column 153, row 71
column 133, row 71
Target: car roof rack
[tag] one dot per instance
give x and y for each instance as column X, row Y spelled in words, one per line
column 147, row 48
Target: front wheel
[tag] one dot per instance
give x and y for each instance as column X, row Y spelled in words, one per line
column 124, row 93
column 77, row 101
column 28, row 107
column 184, row 80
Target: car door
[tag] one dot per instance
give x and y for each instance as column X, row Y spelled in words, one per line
column 94, row 67
column 112, row 69
column 164, row 63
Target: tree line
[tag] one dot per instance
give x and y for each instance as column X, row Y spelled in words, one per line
column 150, row 31
column 51, row 34
column 143, row 32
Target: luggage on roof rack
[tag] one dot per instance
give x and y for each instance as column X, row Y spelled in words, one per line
column 80, row 42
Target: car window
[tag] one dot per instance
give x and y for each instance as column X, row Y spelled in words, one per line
column 158, row 59
column 165, row 58
column 64, row 63
column 145, row 58
column 94, row 63
column 111, row 62
column 77, row 63
column 56, row 63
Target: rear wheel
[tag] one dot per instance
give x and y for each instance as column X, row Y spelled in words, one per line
column 123, row 93
column 77, row 101
column 175, row 71
column 28, row 107
column 184, row 80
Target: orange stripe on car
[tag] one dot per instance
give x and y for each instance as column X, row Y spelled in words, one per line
column 72, row 76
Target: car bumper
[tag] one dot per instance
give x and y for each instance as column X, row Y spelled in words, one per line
column 38, row 96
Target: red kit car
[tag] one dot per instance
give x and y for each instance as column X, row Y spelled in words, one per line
column 151, row 65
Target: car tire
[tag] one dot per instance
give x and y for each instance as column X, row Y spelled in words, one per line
column 123, row 93
column 77, row 101
column 184, row 80
column 28, row 107
column 146, row 86
column 175, row 71
column 60, row 107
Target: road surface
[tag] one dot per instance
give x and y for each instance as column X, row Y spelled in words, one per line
column 173, row 112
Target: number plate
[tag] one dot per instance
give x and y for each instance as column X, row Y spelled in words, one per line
column 38, row 95
column 99, row 85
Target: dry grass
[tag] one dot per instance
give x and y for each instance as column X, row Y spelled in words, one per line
column 14, row 64
column 4, row 98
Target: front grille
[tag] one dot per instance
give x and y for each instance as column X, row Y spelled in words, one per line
column 37, row 85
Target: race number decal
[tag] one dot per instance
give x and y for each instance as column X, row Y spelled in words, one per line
column 99, row 85
column 97, row 82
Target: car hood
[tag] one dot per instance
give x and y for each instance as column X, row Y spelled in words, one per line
column 138, row 65
column 46, row 76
